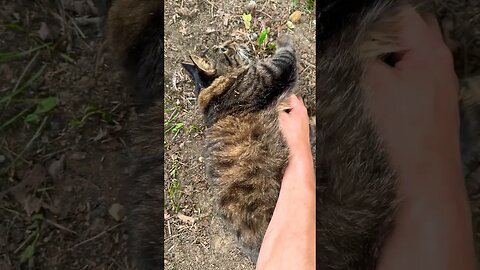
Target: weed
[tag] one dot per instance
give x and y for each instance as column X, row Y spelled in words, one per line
column 174, row 188
column 171, row 124
column 247, row 19
column 43, row 106
column 262, row 38
column 307, row 5
column 193, row 129
column 295, row 4
column 310, row 5
column 18, row 89
column 14, row 56
column 90, row 111
column 28, row 252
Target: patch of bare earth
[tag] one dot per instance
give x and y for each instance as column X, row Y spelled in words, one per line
column 63, row 113
column 194, row 236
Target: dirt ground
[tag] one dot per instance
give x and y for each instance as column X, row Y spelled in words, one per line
column 194, row 237
column 63, row 116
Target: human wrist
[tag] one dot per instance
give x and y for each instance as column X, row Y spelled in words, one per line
column 300, row 168
column 438, row 178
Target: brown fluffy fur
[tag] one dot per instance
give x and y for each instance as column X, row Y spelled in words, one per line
column 134, row 34
column 245, row 152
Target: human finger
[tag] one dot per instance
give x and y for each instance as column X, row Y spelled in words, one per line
column 413, row 28
column 432, row 23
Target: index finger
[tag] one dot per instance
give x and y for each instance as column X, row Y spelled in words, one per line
column 413, row 29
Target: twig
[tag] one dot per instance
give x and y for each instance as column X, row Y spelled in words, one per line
column 96, row 236
column 35, row 136
column 17, row 84
column 61, row 227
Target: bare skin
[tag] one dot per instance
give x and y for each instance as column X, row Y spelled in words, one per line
column 414, row 105
column 289, row 242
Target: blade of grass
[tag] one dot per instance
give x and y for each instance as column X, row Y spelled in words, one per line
column 27, row 146
column 13, row 119
column 14, row 56
column 28, row 83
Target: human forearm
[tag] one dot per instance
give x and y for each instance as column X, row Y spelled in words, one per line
column 289, row 242
column 433, row 225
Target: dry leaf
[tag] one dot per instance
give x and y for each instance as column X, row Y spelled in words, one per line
column 101, row 134
column 186, row 219
column 56, row 168
column 295, row 17
column 117, row 211
column 24, row 191
column 32, row 204
column 44, row 32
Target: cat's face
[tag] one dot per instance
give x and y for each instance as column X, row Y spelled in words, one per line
column 217, row 61
column 228, row 56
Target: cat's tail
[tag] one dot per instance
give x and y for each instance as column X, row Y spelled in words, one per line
column 135, row 36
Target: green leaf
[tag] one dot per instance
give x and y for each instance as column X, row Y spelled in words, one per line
column 271, row 46
column 45, row 105
column 177, row 127
column 37, row 217
column 263, row 36
column 247, row 19
column 27, row 253
column 32, row 118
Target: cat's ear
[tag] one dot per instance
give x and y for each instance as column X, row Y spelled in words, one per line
column 199, row 78
column 203, row 65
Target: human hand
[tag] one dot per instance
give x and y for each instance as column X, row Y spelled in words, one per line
column 294, row 126
column 414, row 104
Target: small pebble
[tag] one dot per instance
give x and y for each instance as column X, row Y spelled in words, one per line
column 295, row 17
column 251, row 6
column 117, row 211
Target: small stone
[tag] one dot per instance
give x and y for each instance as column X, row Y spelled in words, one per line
column 251, row 6
column 290, row 25
column 295, row 16
column 117, row 211
column 56, row 168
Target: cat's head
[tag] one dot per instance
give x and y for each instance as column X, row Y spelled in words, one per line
column 217, row 61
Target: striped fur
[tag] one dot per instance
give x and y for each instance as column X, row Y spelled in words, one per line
column 245, row 152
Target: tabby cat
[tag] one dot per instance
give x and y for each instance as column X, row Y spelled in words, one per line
column 245, row 153
column 135, row 36
column 356, row 186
